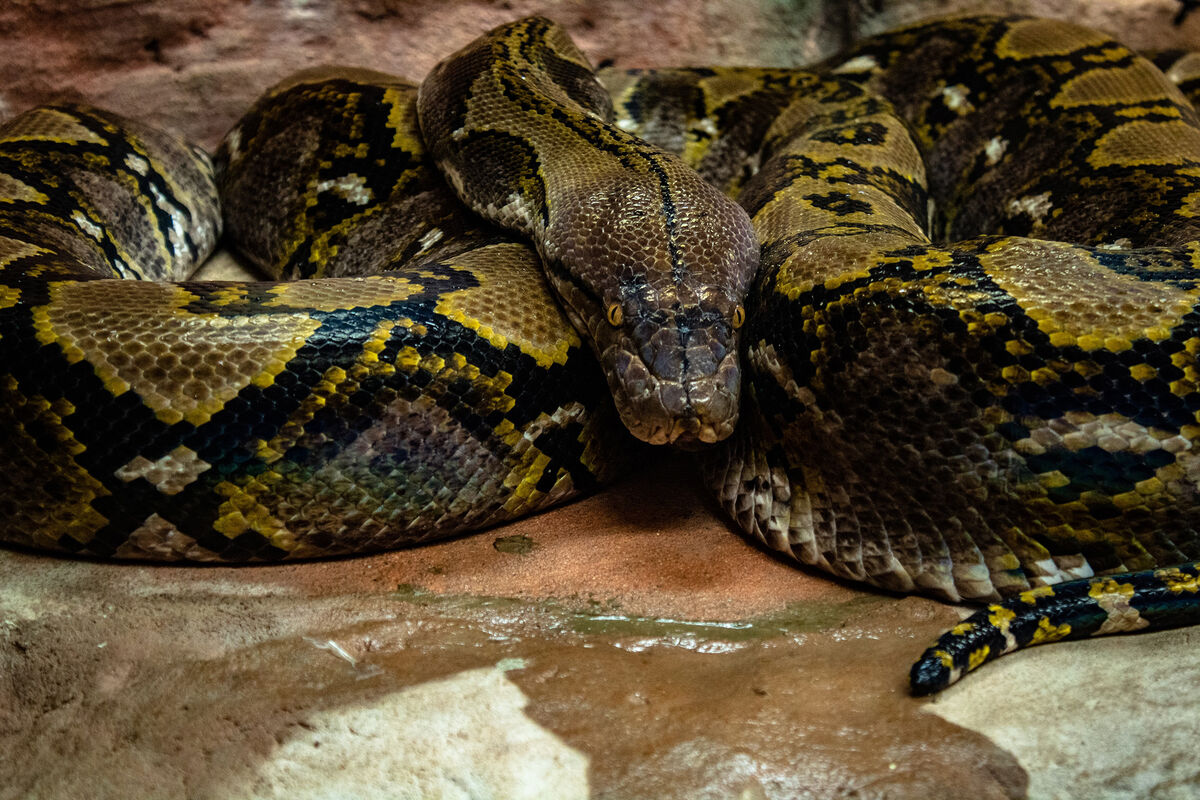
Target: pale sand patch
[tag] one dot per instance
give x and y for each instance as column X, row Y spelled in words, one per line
column 1106, row 719
column 465, row 736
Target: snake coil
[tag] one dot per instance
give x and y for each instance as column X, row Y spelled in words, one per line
column 930, row 309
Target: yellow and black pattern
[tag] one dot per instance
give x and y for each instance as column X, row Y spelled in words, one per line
column 1046, row 392
column 242, row 421
column 970, row 349
column 1161, row 598
column 1182, row 68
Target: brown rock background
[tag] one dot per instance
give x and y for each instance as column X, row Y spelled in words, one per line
column 195, row 65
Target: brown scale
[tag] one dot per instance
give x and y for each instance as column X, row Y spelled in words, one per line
column 650, row 261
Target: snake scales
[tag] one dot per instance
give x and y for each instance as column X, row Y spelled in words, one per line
column 959, row 273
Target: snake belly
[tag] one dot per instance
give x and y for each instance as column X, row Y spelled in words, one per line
column 969, row 348
column 385, row 394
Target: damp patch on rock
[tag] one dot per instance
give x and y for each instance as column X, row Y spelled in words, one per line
column 519, row 545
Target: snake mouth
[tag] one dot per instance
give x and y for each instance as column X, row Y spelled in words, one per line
column 693, row 434
column 688, row 433
column 689, row 412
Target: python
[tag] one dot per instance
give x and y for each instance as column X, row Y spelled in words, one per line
column 944, row 340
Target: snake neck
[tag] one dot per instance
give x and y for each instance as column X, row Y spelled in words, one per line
column 651, row 263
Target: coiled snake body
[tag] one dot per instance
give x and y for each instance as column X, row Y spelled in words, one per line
column 964, row 307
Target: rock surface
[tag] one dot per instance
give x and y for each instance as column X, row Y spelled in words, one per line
column 627, row 646
column 196, row 65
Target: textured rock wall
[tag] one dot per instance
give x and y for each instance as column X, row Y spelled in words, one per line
column 196, row 64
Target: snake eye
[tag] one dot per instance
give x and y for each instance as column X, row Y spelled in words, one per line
column 614, row 314
column 739, row 317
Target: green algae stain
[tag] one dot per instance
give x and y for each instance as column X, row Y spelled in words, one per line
column 604, row 619
column 518, row 545
column 795, row 618
column 412, row 592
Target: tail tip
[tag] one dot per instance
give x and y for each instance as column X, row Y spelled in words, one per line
column 929, row 675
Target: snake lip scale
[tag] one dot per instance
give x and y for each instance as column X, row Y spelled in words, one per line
column 928, row 312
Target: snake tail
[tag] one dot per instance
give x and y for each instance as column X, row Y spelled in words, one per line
column 1137, row 601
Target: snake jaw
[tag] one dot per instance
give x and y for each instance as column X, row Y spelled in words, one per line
column 668, row 393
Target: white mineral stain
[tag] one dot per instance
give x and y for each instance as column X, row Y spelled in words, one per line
column 1099, row 719
column 460, row 737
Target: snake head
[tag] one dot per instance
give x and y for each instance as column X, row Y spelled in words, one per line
column 654, row 274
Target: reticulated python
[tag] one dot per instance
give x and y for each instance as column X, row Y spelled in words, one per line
column 959, row 273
